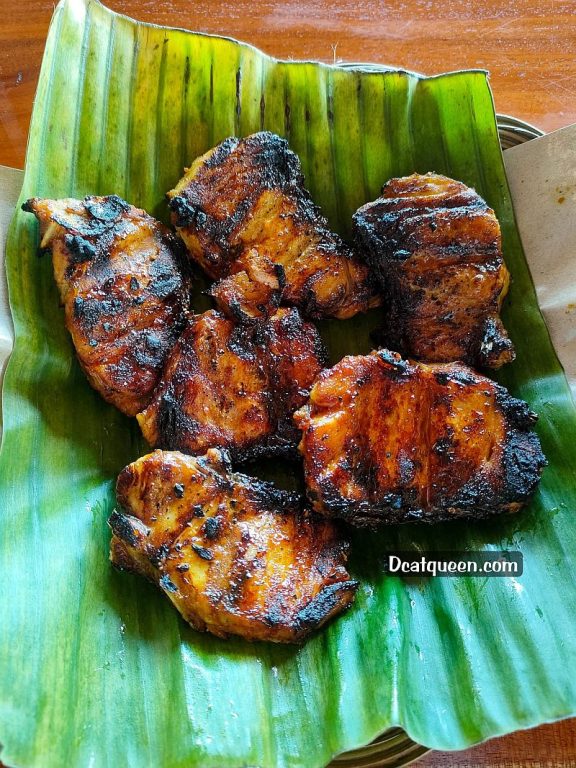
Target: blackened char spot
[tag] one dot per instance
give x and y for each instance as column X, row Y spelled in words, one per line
column 442, row 377
column 523, row 464
column 78, row 306
column 444, row 447
column 173, row 424
column 407, row 468
column 159, row 555
column 153, row 342
column 494, row 342
column 222, row 151
column 80, row 249
column 399, row 366
column 90, row 311
column 212, row 527
column 280, row 274
column 518, row 412
column 203, row 552
column 266, row 495
column 164, row 285
column 167, row 584
column 324, row 604
column 108, row 209
column 187, row 214
column 146, row 356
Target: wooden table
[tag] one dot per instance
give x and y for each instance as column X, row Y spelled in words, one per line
column 528, row 47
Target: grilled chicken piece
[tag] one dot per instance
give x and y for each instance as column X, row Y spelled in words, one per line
column 386, row 440
column 234, row 554
column 125, row 290
column 435, row 246
column 235, row 386
column 249, row 193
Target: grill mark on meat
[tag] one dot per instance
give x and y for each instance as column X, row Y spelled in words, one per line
column 236, row 555
column 442, row 442
column 434, row 245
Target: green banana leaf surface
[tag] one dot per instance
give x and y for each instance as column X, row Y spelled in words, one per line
column 96, row 668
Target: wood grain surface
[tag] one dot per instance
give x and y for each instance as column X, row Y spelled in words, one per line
column 529, row 47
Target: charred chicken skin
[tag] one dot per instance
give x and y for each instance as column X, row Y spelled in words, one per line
column 246, row 198
column 434, row 244
column 235, row 386
column 386, row 440
column 125, row 290
column 234, row 554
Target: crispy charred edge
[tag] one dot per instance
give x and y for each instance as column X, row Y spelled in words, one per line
column 331, row 600
column 495, row 348
column 104, row 210
column 492, row 347
column 263, row 492
column 524, row 460
column 129, row 547
column 376, row 224
column 280, row 445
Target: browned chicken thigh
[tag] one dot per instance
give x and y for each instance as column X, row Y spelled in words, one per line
column 234, row 554
column 125, row 290
column 235, row 385
column 387, row 440
column 245, row 200
column 434, row 245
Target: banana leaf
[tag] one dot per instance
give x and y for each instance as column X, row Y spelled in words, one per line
column 96, row 668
